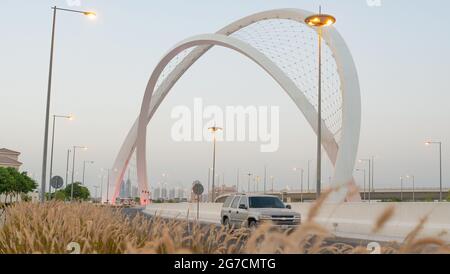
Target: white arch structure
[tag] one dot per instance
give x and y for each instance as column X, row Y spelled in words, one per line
column 342, row 154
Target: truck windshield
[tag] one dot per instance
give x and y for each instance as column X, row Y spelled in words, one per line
column 266, row 202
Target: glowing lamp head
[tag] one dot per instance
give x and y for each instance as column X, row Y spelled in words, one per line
column 90, row 14
column 320, row 20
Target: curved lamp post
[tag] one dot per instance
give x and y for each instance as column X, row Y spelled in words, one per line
column 320, row 21
column 214, row 129
column 49, row 91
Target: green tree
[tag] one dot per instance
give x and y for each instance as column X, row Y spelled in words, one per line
column 14, row 183
column 80, row 192
column 6, row 182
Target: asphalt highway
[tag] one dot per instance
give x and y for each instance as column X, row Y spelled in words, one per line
column 131, row 212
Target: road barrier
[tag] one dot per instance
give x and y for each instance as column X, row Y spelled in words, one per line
column 349, row 220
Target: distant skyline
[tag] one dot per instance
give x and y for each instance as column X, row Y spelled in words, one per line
column 102, row 67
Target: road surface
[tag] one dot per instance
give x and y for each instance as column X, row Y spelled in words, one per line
column 131, row 212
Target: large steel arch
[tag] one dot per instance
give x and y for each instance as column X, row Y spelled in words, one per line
column 342, row 155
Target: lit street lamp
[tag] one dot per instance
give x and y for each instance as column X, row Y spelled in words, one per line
column 69, row 117
column 440, row 166
column 49, row 90
column 319, row 21
column 84, row 168
column 214, row 129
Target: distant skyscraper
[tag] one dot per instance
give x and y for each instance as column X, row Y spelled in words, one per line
column 181, row 193
column 172, row 193
column 134, row 192
column 128, row 190
column 157, row 193
column 164, row 194
column 122, row 193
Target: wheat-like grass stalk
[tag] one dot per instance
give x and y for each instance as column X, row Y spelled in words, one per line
column 49, row 227
column 381, row 221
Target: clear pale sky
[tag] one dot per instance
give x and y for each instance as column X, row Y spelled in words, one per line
column 401, row 50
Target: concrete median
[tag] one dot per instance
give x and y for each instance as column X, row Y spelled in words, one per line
column 351, row 220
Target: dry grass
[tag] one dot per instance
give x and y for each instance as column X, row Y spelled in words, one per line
column 50, row 227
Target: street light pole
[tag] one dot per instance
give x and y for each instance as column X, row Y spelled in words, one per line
column 303, row 171
column 209, row 181
column 440, row 167
column 47, row 111
column 237, row 183
column 67, row 167
column 265, row 179
column 249, row 179
column 401, row 188
column 257, row 182
column 364, row 173
column 84, row 168
column 373, row 173
column 370, row 173
column 309, row 164
column 49, row 92
column 319, row 21
column 107, row 189
column 52, row 147
column 101, row 187
column 96, row 188
column 413, row 185
column 301, row 181
column 214, row 129
column 73, row 168
column 272, row 179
